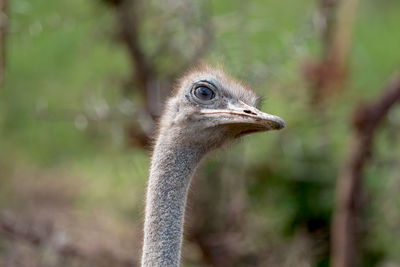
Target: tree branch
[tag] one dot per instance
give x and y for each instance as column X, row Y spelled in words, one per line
column 345, row 222
column 153, row 85
column 328, row 74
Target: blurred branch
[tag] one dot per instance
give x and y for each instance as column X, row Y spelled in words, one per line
column 152, row 84
column 326, row 18
column 328, row 74
column 345, row 222
column 144, row 71
column 340, row 49
column 3, row 39
column 48, row 238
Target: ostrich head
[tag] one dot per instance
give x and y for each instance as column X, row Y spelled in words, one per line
column 209, row 108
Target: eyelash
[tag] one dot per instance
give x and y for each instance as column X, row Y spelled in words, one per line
column 260, row 101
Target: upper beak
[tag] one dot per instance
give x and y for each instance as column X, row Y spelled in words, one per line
column 241, row 113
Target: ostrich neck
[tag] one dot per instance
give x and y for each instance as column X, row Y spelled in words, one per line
column 172, row 167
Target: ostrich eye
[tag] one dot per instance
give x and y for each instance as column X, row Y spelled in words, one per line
column 204, row 93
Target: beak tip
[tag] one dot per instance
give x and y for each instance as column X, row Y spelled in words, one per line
column 276, row 123
column 282, row 124
column 279, row 126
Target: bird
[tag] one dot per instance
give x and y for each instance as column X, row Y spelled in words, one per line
column 208, row 109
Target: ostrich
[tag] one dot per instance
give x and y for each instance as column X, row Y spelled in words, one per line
column 208, row 109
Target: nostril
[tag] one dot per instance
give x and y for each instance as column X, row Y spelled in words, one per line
column 249, row 112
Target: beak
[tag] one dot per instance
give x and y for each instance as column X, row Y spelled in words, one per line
column 249, row 118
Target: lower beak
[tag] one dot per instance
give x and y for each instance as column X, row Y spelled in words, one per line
column 252, row 119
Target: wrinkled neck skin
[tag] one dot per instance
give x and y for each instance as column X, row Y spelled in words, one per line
column 172, row 167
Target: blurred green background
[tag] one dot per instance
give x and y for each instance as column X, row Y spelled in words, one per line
column 74, row 163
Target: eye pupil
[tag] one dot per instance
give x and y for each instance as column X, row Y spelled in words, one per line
column 204, row 93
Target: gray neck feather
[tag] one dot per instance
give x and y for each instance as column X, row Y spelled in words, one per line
column 172, row 168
